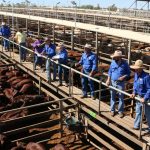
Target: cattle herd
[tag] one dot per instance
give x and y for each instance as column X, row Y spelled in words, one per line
column 17, row 90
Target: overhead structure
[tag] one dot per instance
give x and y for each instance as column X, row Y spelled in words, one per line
column 147, row 3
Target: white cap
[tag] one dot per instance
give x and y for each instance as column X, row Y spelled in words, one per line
column 3, row 23
column 88, row 46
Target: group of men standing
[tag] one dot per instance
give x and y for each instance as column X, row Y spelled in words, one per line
column 118, row 73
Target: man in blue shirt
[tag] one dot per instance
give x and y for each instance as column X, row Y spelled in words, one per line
column 118, row 72
column 50, row 51
column 89, row 66
column 141, row 88
column 5, row 32
column 62, row 58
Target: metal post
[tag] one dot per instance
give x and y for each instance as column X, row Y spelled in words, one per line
column 33, row 62
column 61, row 118
column 96, row 46
column 129, row 52
column 38, row 27
column 99, row 97
column 141, row 121
column 135, row 7
column 49, row 80
column 20, row 54
column 27, row 26
column 54, row 33
column 70, row 82
column 39, row 85
column 72, row 39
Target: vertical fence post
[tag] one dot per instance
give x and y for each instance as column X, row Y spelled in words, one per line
column 20, row 54
column 99, row 97
column 9, row 47
column 2, row 44
column 61, row 118
column 39, row 85
column 49, row 72
column 141, row 121
column 70, row 83
column 33, row 62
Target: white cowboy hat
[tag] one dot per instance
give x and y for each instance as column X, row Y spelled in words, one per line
column 88, row 46
column 3, row 23
column 117, row 54
column 138, row 65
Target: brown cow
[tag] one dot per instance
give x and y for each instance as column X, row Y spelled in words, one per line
column 34, row 146
column 21, row 83
column 60, row 147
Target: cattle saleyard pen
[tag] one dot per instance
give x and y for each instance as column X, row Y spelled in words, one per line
column 49, row 116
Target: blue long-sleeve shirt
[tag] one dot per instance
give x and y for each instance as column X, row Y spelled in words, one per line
column 89, row 62
column 63, row 56
column 5, row 31
column 141, row 85
column 118, row 70
column 49, row 50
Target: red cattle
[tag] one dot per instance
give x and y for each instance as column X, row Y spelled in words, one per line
column 34, row 146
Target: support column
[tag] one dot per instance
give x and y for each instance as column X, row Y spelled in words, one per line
column 72, row 38
column 38, row 27
column 54, row 33
column 96, row 46
column 17, row 23
column 129, row 52
column 27, row 25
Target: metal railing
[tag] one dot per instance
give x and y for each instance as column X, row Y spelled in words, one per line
column 109, row 19
column 71, row 72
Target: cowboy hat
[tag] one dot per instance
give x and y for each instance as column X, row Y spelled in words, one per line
column 138, row 65
column 88, row 46
column 117, row 54
column 47, row 39
column 3, row 23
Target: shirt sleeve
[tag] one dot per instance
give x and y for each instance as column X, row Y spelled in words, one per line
column 110, row 70
column 81, row 60
column 127, row 70
column 94, row 67
column 147, row 82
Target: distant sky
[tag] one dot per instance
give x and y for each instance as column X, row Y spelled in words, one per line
column 102, row 3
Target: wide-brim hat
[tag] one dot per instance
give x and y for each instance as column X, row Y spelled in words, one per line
column 138, row 65
column 47, row 39
column 60, row 46
column 117, row 54
column 88, row 46
column 3, row 23
column 39, row 37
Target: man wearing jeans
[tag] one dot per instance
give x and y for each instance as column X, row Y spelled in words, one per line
column 89, row 66
column 5, row 32
column 141, row 89
column 21, row 40
column 49, row 50
column 62, row 58
column 118, row 72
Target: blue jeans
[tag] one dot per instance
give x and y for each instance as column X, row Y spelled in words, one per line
column 6, row 43
column 37, row 61
column 139, row 114
column 22, row 51
column 120, row 86
column 60, row 71
column 84, row 81
column 48, row 70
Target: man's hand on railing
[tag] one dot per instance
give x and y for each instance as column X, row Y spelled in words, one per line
column 132, row 96
column 108, row 81
column 142, row 100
